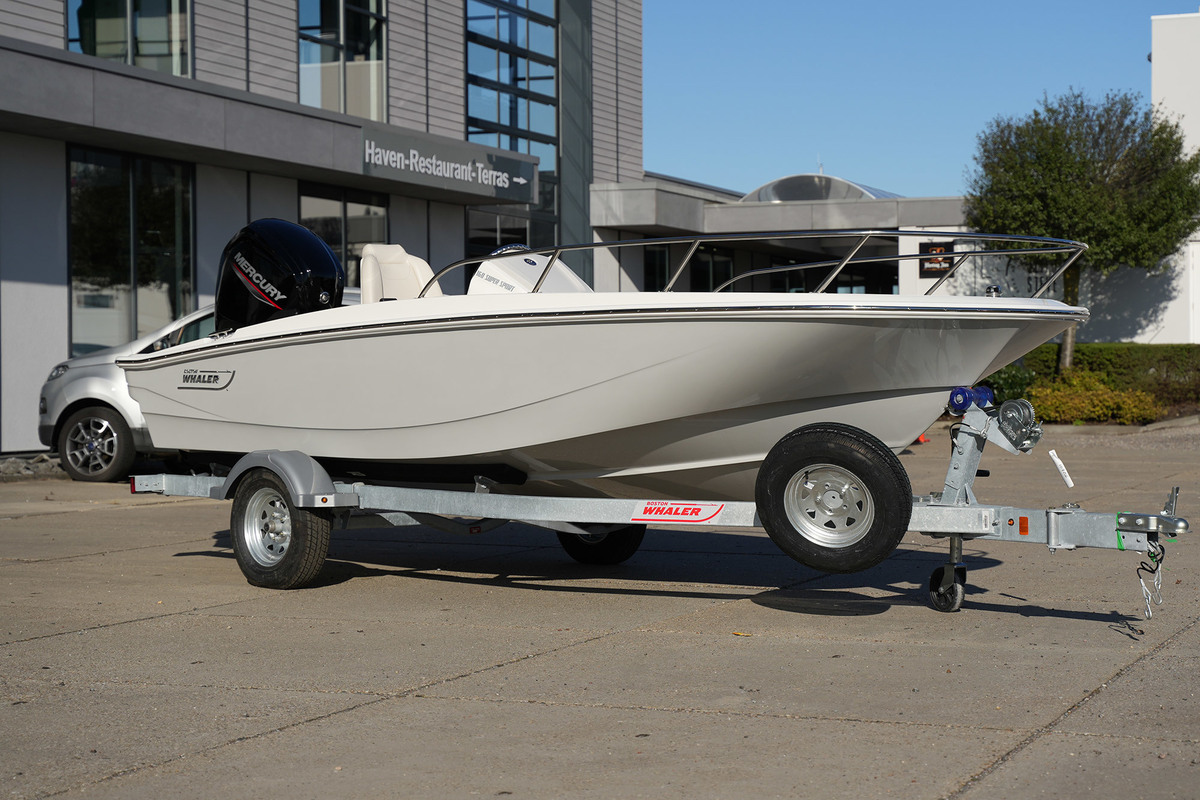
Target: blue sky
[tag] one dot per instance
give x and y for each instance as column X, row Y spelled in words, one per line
column 890, row 94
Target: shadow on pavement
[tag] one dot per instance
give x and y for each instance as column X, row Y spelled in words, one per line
column 670, row 565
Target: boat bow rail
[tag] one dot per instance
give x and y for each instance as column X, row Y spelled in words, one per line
column 943, row 254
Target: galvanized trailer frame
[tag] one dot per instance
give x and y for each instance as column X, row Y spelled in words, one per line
column 954, row 514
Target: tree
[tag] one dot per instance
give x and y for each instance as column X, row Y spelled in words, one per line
column 1113, row 174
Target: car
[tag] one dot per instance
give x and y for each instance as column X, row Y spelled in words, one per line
column 85, row 412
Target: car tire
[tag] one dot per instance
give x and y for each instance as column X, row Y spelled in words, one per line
column 95, row 444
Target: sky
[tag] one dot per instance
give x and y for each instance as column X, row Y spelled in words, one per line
column 888, row 94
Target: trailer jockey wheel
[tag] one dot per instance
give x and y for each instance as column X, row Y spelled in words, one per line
column 833, row 497
column 947, row 585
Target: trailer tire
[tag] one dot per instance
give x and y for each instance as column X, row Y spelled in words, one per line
column 834, row 497
column 277, row 545
column 612, row 547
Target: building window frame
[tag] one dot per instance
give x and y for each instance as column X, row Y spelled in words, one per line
column 511, row 52
column 123, row 280
column 129, row 34
column 318, row 34
column 341, row 234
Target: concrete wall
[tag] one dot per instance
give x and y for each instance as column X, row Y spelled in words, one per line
column 220, row 44
column 408, row 66
column 1175, row 53
column 222, row 208
column 446, row 242
column 617, row 89
column 446, row 79
column 1135, row 305
column 274, row 49
column 34, row 310
column 34, row 21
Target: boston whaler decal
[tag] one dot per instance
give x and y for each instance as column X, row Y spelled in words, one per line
column 206, row 378
column 666, row 510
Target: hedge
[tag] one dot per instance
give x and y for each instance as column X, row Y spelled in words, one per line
column 1168, row 372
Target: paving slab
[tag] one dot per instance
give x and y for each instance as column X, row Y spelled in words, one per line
column 64, row 733
column 423, row 747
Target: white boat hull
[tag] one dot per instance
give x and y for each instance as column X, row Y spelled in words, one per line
column 655, row 395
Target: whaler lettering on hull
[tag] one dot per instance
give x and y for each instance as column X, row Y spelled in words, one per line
column 206, row 379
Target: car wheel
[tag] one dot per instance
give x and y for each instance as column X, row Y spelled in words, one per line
column 95, row 444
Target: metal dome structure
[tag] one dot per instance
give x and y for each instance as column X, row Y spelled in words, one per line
column 811, row 186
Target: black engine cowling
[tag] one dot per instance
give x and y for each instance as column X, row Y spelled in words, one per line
column 272, row 269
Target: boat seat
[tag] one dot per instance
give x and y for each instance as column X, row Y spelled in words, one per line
column 387, row 271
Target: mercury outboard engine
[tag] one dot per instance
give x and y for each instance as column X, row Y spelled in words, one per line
column 274, row 269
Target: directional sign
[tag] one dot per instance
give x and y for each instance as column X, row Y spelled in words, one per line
column 449, row 164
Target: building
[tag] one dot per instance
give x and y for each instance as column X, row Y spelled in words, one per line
column 137, row 137
column 1175, row 60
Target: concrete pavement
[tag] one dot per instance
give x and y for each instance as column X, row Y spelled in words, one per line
column 136, row 662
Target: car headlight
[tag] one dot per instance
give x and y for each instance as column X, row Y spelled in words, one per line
column 58, row 372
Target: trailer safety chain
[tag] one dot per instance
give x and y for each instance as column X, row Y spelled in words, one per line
column 1155, row 555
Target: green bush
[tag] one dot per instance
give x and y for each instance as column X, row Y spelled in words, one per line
column 1083, row 396
column 1011, row 382
column 1169, row 372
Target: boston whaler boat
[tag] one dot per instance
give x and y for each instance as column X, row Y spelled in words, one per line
column 533, row 385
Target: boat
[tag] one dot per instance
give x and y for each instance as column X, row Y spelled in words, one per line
column 543, row 386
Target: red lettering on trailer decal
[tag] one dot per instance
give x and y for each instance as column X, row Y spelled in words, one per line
column 667, row 510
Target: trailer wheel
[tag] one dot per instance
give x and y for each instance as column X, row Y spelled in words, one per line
column 833, row 497
column 277, row 545
column 612, row 547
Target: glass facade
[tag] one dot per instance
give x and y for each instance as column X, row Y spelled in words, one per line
column 129, row 246
column 342, row 56
column 346, row 219
column 146, row 33
column 512, row 103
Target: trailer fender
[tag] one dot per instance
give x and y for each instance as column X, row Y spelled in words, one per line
column 307, row 481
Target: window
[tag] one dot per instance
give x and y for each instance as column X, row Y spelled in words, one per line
column 346, row 219
column 145, row 33
column 709, row 268
column 656, row 260
column 512, row 103
column 342, row 45
column 129, row 245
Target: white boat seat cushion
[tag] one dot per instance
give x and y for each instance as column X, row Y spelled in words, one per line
column 387, row 271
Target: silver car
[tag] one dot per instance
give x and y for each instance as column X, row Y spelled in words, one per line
column 86, row 413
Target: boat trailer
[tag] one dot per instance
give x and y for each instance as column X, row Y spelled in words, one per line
column 285, row 501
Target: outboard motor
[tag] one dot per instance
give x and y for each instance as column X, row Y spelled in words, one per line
column 273, row 269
